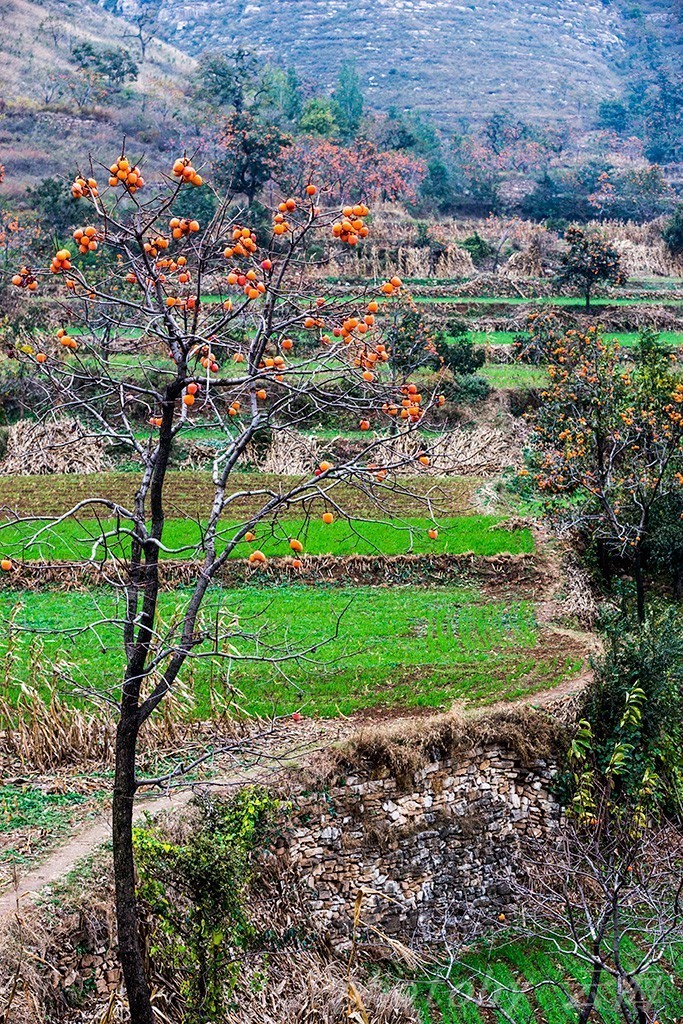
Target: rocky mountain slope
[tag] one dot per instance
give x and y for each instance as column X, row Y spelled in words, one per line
column 453, row 59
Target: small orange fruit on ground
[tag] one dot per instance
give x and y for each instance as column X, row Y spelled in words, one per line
column 424, row 460
column 368, row 376
column 364, row 424
column 328, row 518
column 296, row 563
column 41, row 357
column 296, row 545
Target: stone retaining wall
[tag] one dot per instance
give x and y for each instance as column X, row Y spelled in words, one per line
column 435, row 850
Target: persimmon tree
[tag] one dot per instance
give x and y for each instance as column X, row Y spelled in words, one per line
column 226, row 336
column 608, row 441
column 589, row 260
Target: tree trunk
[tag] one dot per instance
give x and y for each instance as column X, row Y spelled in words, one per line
column 588, row 298
column 130, row 949
column 640, row 586
column 587, row 1008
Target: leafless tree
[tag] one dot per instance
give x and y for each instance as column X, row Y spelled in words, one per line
column 610, row 898
column 214, row 319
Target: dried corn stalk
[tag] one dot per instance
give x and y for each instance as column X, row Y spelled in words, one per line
column 56, row 446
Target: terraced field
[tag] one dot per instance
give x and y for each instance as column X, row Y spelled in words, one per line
column 403, row 646
column 71, row 540
column 527, row 981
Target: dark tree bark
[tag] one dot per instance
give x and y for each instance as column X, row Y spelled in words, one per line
column 639, row 576
column 131, row 952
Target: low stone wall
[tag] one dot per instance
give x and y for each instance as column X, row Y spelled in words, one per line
column 435, row 850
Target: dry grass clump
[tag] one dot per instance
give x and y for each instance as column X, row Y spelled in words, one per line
column 579, row 600
column 42, row 732
column 42, row 950
column 402, row 748
column 54, row 446
column 289, row 452
column 477, row 451
column 304, row 988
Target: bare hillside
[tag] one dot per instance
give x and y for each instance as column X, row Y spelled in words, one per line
column 439, row 55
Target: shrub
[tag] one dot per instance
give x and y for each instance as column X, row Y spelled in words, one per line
column 460, row 355
column 479, row 249
column 634, row 710
column 196, row 887
column 673, row 232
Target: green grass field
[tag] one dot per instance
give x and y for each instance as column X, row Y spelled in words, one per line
column 514, row 375
column 399, row 646
column 554, row 300
column 627, row 339
column 513, row 969
column 73, row 540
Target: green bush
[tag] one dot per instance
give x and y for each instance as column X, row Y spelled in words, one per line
column 195, row 889
column 634, row 710
column 459, row 354
column 478, row 248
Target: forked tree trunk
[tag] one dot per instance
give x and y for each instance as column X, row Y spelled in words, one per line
column 131, row 953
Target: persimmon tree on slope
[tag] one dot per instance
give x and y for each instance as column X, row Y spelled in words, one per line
column 608, row 442
column 213, row 317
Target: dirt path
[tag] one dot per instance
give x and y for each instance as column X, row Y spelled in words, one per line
column 64, row 859
column 61, row 861
column 281, row 751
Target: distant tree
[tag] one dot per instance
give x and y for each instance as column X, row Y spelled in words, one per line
column 673, row 232
column 292, row 102
column 114, row 66
column 563, row 195
column 357, row 172
column 589, row 260
column 229, row 79
column 319, row 118
column 249, row 153
column 437, row 188
column 500, row 129
column 638, row 194
column 409, row 132
column 144, row 18
column 656, row 104
column 613, row 115
column 52, row 199
column 348, row 100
